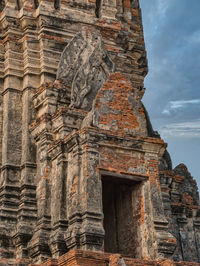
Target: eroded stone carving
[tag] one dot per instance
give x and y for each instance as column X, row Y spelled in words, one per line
column 108, row 186
column 84, row 66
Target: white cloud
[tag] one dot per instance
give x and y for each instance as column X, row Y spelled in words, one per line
column 174, row 105
column 195, row 37
column 182, row 103
column 184, row 129
column 166, row 112
column 163, row 5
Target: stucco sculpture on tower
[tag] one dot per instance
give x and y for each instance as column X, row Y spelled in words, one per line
column 83, row 174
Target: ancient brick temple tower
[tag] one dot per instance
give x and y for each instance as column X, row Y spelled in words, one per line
column 82, row 171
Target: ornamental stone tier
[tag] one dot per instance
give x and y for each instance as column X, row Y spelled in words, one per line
column 85, row 180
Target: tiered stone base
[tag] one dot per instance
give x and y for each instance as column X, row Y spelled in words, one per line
column 91, row 258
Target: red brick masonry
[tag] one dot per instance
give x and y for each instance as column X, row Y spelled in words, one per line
column 91, row 258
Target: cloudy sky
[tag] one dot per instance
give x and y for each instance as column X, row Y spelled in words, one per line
column 172, row 37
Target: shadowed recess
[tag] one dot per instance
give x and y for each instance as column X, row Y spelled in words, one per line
column 2, row 5
column 36, row 4
column 57, row 4
column 98, row 8
column 18, row 5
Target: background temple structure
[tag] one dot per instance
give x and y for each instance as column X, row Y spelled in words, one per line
column 83, row 174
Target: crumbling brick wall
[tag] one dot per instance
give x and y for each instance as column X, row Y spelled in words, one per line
column 71, row 82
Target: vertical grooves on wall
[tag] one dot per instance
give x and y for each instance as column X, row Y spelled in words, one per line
column 18, row 4
column 57, row 4
column 36, row 4
column 2, row 5
column 98, row 8
column 116, row 216
column 123, row 6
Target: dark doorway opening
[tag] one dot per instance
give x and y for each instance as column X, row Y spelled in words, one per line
column 119, row 224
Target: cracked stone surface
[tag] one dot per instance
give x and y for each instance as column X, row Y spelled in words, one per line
column 85, row 180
